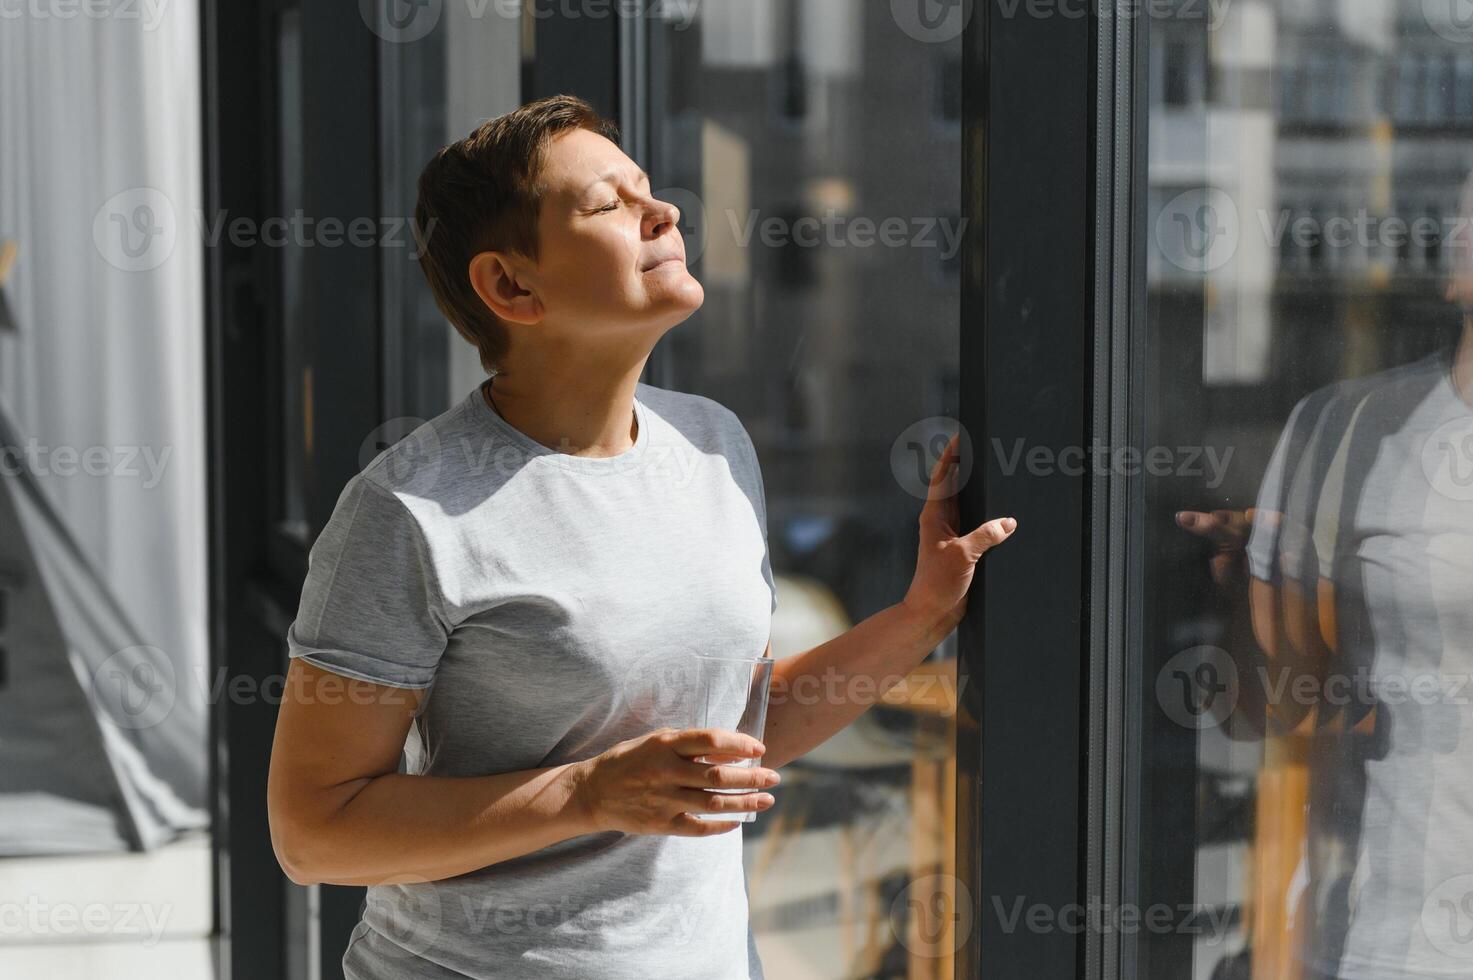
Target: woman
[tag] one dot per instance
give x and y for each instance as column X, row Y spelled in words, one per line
column 519, row 587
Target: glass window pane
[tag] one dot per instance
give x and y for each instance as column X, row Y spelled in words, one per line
column 1302, row 797
column 296, row 372
column 813, row 148
column 436, row 88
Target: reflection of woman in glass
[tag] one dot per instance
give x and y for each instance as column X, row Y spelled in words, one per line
column 1360, row 554
column 523, row 583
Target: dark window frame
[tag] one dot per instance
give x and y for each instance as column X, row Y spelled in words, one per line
column 1032, row 308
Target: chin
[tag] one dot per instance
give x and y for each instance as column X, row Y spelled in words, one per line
column 695, row 293
column 676, row 316
column 682, row 298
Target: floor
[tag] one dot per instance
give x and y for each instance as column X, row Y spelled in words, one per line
column 108, row 917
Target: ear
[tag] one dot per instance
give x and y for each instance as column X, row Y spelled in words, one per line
column 495, row 279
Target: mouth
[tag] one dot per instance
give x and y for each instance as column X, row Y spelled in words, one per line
column 665, row 262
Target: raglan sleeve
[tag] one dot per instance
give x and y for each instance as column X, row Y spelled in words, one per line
column 371, row 607
column 1264, row 540
column 759, row 504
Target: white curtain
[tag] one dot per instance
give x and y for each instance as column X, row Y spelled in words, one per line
column 100, row 186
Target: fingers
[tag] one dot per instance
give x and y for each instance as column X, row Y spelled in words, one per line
column 700, row 801
column 692, row 742
column 721, row 760
column 991, row 534
column 1226, row 528
column 685, row 825
column 1196, row 521
column 1220, row 526
column 699, row 776
column 949, row 454
column 1236, row 522
column 942, row 485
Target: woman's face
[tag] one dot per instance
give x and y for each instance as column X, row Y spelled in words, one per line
column 610, row 254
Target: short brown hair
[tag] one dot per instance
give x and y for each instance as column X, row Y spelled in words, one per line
column 483, row 193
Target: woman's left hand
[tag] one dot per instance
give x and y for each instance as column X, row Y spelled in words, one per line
column 946, row 561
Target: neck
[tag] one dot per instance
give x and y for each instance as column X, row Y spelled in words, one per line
column 575, row 400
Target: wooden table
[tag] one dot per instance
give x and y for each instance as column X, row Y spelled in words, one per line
column 931, row 692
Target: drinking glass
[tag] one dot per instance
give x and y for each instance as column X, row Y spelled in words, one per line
column 731, row 693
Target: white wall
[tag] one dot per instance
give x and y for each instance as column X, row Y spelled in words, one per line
column 99, row 119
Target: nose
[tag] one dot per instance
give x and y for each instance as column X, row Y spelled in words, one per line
column 660, row 217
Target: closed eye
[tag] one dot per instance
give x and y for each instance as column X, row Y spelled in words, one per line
column 611, row 206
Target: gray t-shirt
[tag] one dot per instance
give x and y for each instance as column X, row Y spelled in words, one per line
column 551, row 604
column 1373, row 479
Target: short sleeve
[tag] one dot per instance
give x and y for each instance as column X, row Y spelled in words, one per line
column 1264, row 540
column 760, row 505
column 370, row 606
column 1326, row 526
